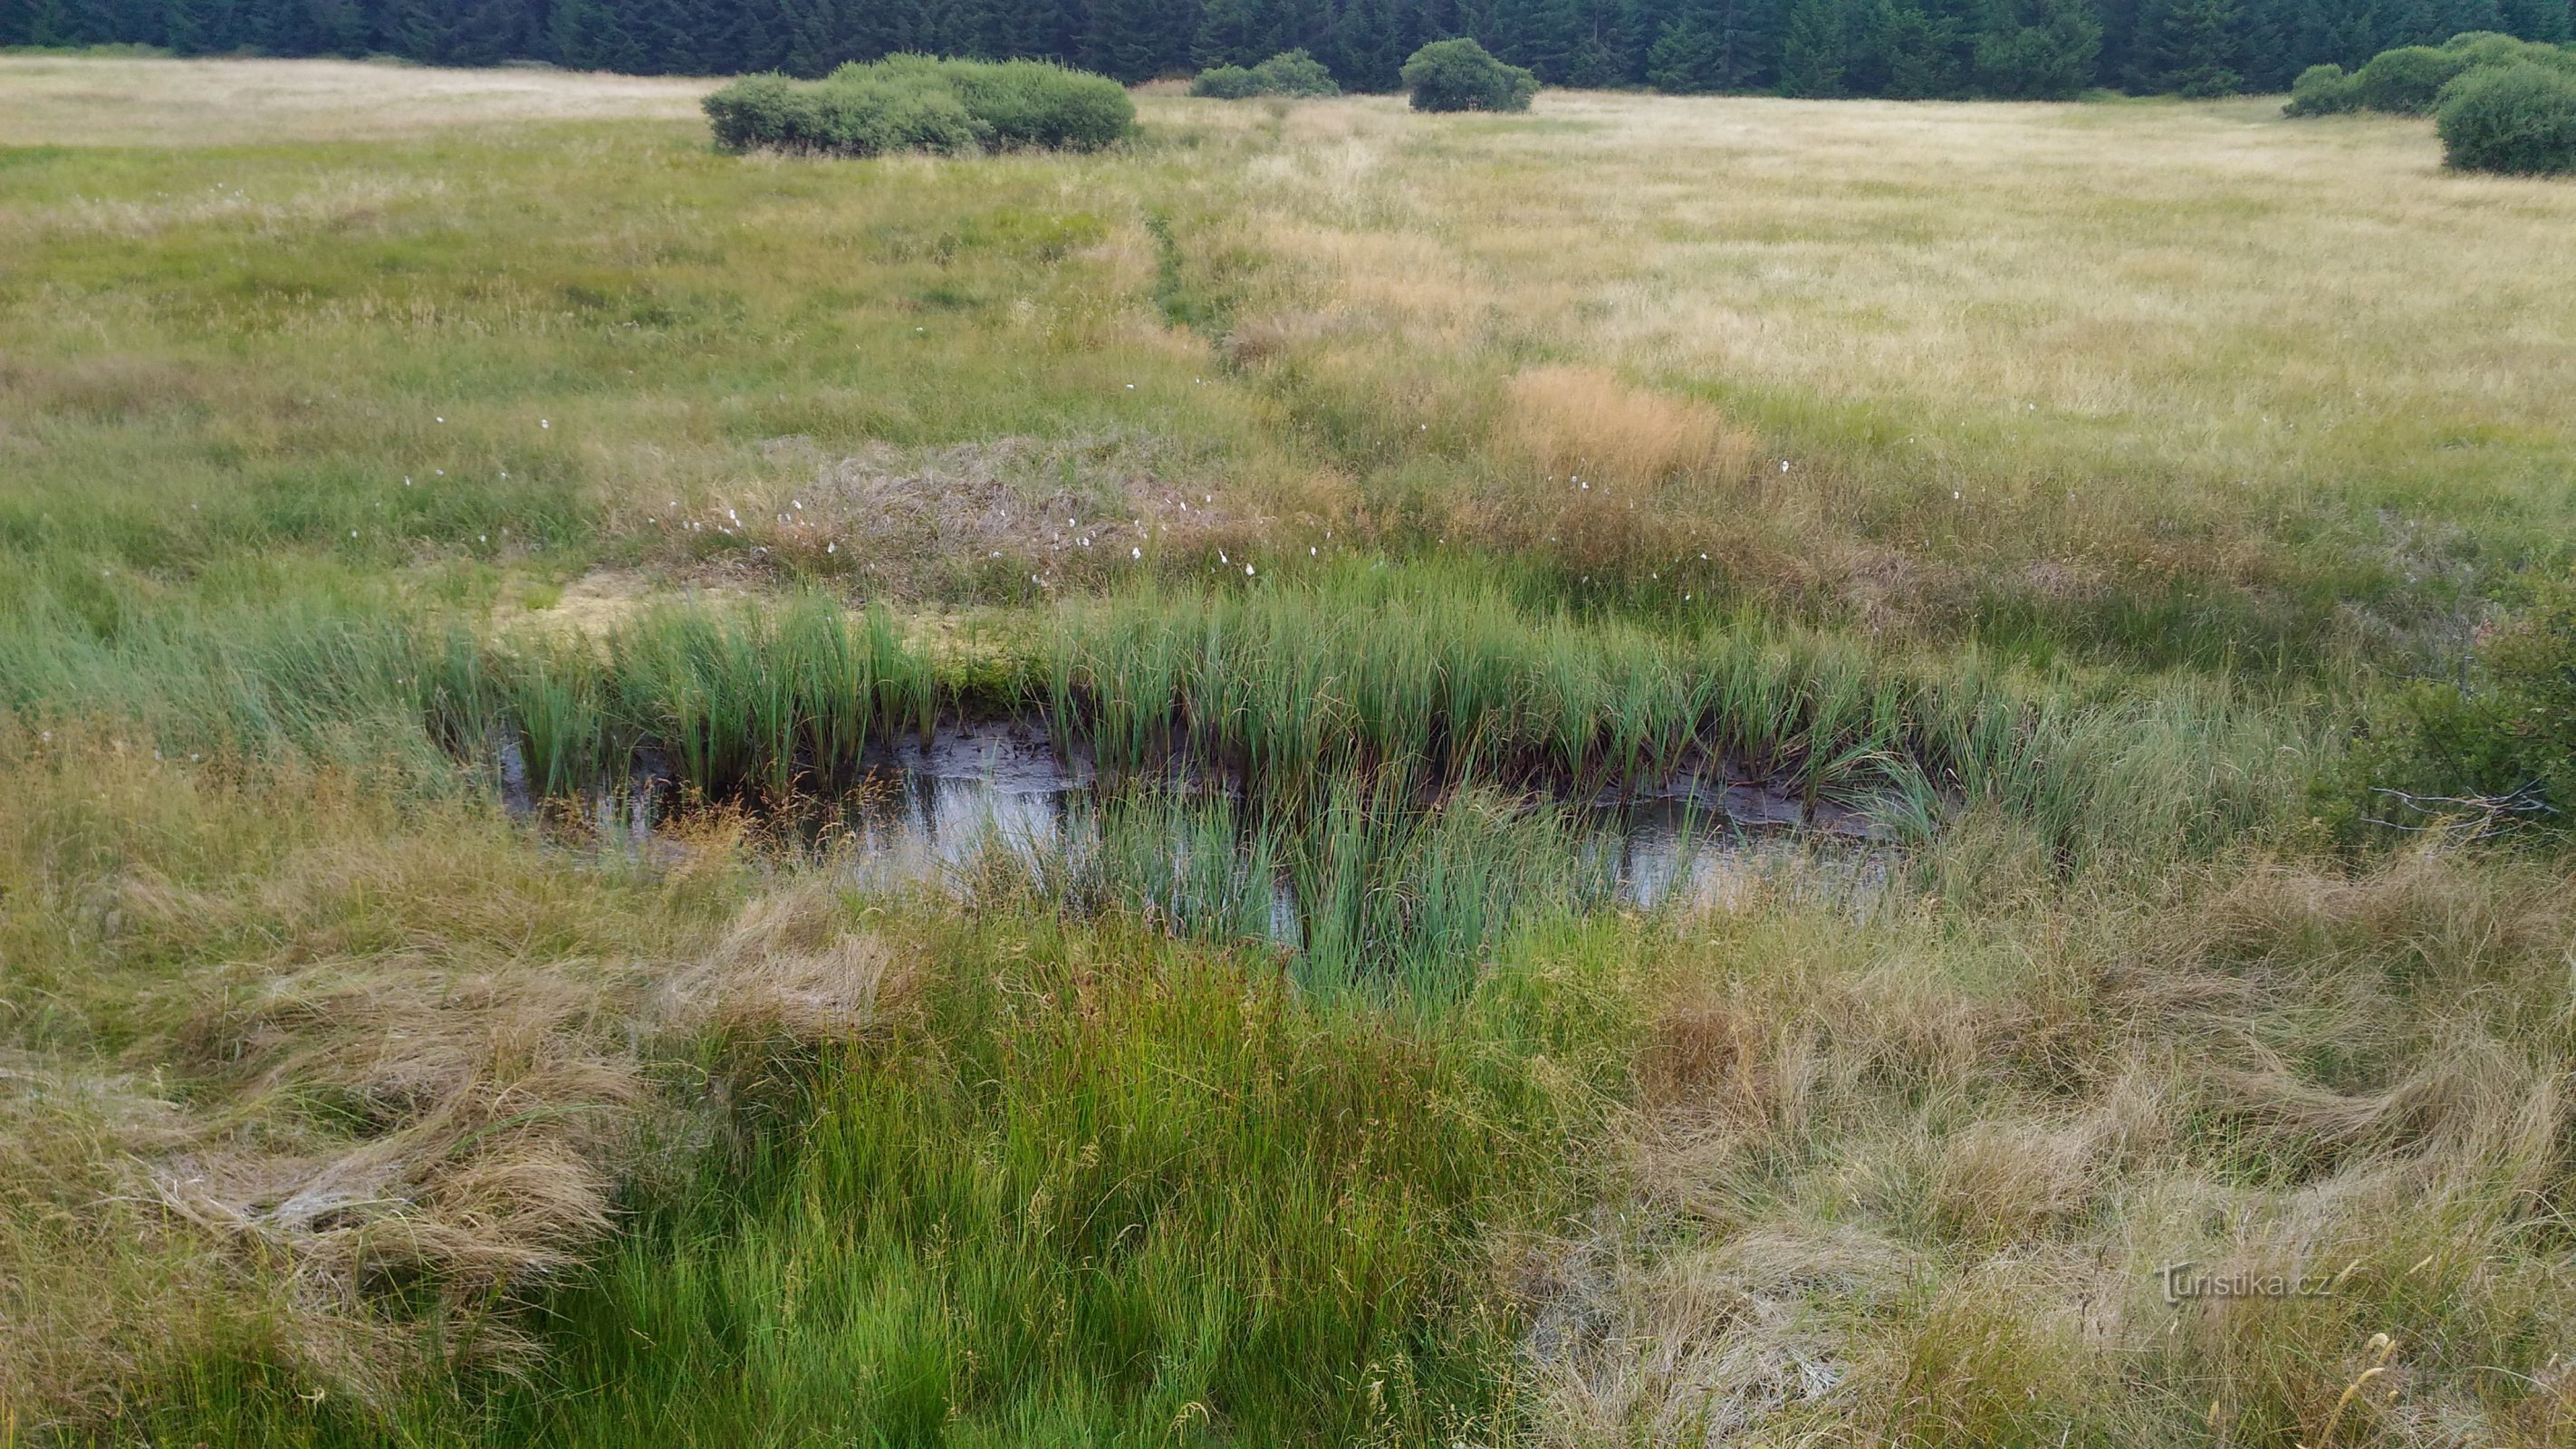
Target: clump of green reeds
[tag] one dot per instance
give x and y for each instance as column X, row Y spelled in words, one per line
column 1388, row 892
column 1433, row 682
column 1452, row 682
column 746, row 699
column 737, row 699
column 1370, row 886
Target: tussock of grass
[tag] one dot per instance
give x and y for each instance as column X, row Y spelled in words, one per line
column 1250, row 1219
column 1917, row 1188
column 284, row 1049
column 1582, row 422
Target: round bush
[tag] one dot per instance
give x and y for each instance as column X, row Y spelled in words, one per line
column 877, row 114
column 1289, row 73
column 1460, row 75
column 761, row 111
column 2517, row 119
column 1225, row 83
column 1295, row 73
column 920, row 103
column 2320, row 90
column 1036, row 103
column 2406, row 80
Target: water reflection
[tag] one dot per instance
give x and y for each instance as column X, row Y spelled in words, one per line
column 932, row 815
column 936, row 814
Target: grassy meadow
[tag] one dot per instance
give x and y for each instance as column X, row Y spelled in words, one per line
column 2067, row 485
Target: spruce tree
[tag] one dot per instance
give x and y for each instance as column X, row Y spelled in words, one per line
column 2039, row 50
column 2193, row 48
column 1814, row 49
column 1687, row 58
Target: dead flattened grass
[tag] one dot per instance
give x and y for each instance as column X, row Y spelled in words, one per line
column 1974, row 1160
column 789, row 970
column 100, row 100
column 300, row 1051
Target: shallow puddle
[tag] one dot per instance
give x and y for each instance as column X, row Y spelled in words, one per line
column 936, row 813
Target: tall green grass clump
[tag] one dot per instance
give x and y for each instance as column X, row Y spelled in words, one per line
column 1427, row 685
column 766, row 701
column 1093, row 1187
column 1290, row 73
column 1444, row 682
column 919, row 103
column 1403, row 900
column 2519, row 120
column 2493, row 751
column 1194, row 863
column 1460, row 75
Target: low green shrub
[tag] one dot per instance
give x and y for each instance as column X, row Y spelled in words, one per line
column 2406, row 80
column 920, row 103
column 1460, row 75
column 1289, row 73
column 2518, row 119
column 2411, row 80
column 2321, row 90
column 1033, row 103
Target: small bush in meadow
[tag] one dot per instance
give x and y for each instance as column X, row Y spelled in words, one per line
column 2406, row 80
column 2320, row 90
column 2518, row 119
column 1460, row 75
column 919, row 103
column 1289, row 73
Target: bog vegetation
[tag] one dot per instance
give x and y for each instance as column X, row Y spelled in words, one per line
column 369, row 467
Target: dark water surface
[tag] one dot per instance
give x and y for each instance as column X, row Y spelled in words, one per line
column 934, row 813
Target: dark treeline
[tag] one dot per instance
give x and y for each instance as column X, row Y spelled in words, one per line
column 1904, row 48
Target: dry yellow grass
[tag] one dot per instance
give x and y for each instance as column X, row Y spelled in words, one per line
column 2129, row 266
column 98, row 101
column 1894, row 1188
column 2120, row 343
column 1584, row 422
column 354, row 1042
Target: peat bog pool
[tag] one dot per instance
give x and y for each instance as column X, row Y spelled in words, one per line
column 974, row 796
